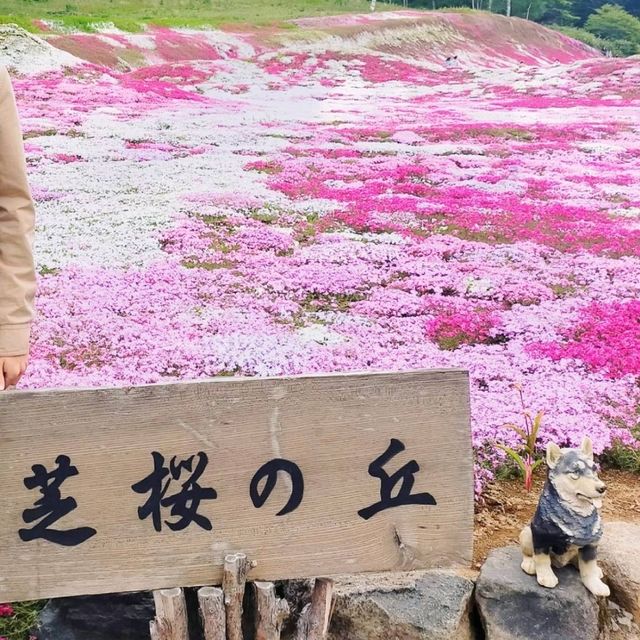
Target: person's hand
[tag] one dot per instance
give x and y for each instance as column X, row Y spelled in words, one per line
column 11, row 370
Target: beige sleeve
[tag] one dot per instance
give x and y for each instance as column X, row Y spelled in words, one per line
column 17, row 217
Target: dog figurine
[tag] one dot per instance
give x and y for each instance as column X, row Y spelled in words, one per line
column 566, row 526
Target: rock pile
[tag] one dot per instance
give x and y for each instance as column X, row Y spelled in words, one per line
column 503, row 604
column 425, row 606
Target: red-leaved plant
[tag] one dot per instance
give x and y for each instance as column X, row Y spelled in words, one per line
column 525, row 457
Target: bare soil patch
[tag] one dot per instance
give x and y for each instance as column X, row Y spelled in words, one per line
column 508, row 507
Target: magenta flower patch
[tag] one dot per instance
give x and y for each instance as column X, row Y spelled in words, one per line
column 606, row 338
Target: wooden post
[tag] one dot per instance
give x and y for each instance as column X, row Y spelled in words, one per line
column 212, row 614
column 315, row 617
column 271, row 611
column 236, row 567
column 157, row 631
column 171, row 616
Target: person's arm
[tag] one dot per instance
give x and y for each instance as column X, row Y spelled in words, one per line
column 17, row 272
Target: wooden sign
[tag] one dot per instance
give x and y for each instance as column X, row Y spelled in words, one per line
column 148, row 487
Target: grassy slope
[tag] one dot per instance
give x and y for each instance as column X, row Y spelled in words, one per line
column 130, row 14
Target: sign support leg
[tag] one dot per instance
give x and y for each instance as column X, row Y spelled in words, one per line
column 171, row 615
column 315, row 617
column 236, row 567
column 212, row 613
column 271, row 611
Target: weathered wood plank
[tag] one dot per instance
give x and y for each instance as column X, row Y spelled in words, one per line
column 332, row 427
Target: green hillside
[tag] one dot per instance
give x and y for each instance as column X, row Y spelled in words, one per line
column 129, row 14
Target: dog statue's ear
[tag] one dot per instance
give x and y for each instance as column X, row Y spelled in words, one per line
column 587, row 448
column 554, row 453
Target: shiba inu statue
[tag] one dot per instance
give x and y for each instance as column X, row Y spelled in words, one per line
column 566, row 526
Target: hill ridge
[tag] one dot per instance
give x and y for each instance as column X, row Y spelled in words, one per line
column 424, row 38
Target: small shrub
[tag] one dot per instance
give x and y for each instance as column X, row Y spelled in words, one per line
column 618, row 48
column 525, row 457
column 44, row 270
column 79, row 23
column 622, row 456
column 17, row 620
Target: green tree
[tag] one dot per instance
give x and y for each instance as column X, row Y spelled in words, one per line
column 612, row 22
column 557, row 12
column 584, row 8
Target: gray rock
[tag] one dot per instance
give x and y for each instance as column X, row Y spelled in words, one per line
column 619, row 557
column 111, row 617
column 421, row 606
column 122, row 616
column 617, row 624
column 513, row 606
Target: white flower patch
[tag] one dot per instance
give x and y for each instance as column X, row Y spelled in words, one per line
column 319, row 333
column 631, row 212
column 383, row 238
column 114, row 205
column 142, row 41
column 113, row 42
column 477, row 287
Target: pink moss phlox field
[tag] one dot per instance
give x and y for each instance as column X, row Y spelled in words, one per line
column 215, row 203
